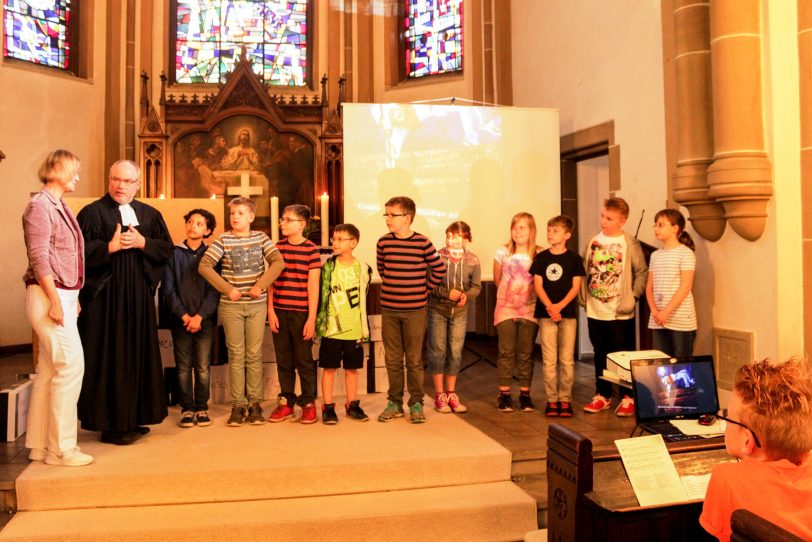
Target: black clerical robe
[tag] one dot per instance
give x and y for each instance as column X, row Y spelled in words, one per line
column 123, row 383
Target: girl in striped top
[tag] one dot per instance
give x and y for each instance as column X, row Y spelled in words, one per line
column 668, row 290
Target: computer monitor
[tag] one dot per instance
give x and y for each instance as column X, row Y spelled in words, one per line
column 673, row 388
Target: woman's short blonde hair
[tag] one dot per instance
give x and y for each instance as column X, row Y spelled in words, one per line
column 59, row 165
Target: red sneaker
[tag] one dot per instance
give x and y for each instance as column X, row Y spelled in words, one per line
column 599, row 402
column 626, row 407
column 281, row 413
column 308, row 413
column 565, row 409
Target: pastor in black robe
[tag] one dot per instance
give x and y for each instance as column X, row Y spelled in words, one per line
column 123, row 383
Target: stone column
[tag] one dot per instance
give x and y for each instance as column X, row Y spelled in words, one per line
column 805, row 65
column 692, row 64
column 740, row 177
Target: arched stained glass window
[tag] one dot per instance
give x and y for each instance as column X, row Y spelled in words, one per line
column 210, row 34
column 432, row 37
column 38, row 31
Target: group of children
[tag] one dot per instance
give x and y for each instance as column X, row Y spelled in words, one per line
column 422, row 289
column 768, row 419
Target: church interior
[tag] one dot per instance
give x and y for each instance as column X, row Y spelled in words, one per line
column 698, row 105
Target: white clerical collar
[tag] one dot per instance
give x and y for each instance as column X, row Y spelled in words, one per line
column 128, row 217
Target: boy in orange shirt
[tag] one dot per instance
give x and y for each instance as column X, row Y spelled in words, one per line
column 769, row 428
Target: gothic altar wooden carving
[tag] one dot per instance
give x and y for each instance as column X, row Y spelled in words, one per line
column 242, row 140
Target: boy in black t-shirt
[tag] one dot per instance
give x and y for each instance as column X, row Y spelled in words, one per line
column 557, row 274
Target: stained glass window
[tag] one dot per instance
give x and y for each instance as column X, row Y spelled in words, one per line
column 433, row 37
column 210, row 35
column 38, row 31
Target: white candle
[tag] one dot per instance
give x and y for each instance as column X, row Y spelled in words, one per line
column 325, row 222
column 274, row 219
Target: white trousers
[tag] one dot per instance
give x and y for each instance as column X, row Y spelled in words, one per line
column 52, row 417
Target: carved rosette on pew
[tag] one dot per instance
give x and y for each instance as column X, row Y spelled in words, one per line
column 695, row 118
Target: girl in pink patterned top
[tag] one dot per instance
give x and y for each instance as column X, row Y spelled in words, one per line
column 513, row 315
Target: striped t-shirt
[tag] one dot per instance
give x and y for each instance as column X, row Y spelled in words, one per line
column 290, row 289
column 409, row 269
column 665, row 268
column 244, row 260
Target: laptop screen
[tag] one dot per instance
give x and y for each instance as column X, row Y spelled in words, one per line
column 673, row 388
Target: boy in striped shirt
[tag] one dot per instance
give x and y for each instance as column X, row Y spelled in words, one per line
column 250, row 263
column 410, row 268
column 292, row 310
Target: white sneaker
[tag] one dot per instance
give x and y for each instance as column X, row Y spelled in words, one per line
column 37, row 454
column 68, row 458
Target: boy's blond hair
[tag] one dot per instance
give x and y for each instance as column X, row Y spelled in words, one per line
column 240, row 200
column 617, row 204
column 776, row 400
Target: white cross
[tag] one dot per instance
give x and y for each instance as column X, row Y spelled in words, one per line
column 245, row 189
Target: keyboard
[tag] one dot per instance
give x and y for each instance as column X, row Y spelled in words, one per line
column 668, row 431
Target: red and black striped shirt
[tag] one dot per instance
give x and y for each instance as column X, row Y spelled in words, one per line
column 290, row 289
column 409, row 268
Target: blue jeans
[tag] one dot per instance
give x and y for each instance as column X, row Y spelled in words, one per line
column 193, row 352
column 445, row 341
column 679, row 344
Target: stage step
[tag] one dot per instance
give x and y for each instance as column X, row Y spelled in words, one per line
column 492, row 511
column 286, row 481
column 273, row 461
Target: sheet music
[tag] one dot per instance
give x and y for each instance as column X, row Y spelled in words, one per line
column 651, row 471
column 696, row 486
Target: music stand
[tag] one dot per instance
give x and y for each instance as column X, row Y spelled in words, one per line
column 480, row 357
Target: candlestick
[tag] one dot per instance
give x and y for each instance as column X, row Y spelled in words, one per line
column 325, row 221
column 274, row 219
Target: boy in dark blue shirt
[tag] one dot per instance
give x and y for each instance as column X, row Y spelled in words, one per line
column 193, row 304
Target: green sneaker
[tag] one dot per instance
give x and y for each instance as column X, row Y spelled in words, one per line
column 391, row 412
column 416, row 413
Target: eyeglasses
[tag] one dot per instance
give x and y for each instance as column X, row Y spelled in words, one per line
column 393, row 215
column 287, row 220
column 340, row 239
column 125, row 182
column 740, row 424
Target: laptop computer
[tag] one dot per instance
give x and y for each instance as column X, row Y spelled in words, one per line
column 668, row 389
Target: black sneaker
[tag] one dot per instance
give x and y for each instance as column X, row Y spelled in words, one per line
column 255, row 415
column 526, row 403
column 355, row 412
column 328, row 414
column 504, row 402
column 238, row 415
column 202, row 418
column 552, row 410
column 187, row 419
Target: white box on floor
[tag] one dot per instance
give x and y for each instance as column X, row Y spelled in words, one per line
column 14, row 401
column 167, row 348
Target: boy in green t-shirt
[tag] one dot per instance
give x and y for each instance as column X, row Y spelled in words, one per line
column 342, row 321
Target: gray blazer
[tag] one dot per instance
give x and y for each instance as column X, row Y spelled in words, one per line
column 54, row 241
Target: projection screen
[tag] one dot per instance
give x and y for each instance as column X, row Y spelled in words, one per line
column 477, row 164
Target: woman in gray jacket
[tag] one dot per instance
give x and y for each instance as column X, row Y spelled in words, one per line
column 54, row 277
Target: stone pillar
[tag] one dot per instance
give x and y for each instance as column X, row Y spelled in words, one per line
column 740, row 177
column 692, row 64
column 805, row 65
